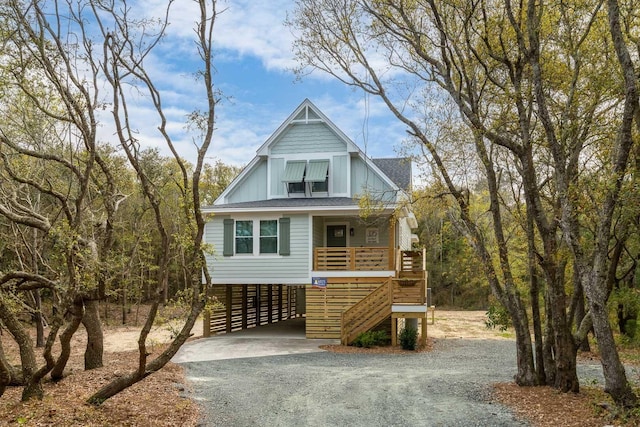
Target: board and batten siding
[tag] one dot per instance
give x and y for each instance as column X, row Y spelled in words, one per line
column 260, row 269
column 307, row 138
column 253, row 187
column 277, row 170
column 363, row 177
column 339, row 175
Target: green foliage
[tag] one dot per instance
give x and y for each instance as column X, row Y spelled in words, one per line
column 409, row 338
column 371, row 339
column 497, row 316
column 625, row 302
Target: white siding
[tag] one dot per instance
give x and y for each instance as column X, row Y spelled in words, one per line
column 253, row 187
column 404, row 238
column 256, row 269
column 308, row 138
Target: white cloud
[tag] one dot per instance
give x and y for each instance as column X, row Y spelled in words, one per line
column 242, row 27
column 249, row 28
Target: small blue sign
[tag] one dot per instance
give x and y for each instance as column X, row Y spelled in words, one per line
column 319, row 282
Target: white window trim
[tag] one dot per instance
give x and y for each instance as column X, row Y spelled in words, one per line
column 256, row 237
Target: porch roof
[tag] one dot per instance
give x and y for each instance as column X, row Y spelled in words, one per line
column 290, row 204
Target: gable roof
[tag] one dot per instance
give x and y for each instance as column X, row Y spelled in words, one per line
column 306, row 112
column 397, row 173
column 397, row 169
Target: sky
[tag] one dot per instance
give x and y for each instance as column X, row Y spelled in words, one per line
column 254, row 63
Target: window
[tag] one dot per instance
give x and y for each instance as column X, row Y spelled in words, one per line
column 269, row 237
column 244, row 237
column 318, row 176
column 320, row 186
column 273, row 237
column 293, row 176
column 296, row 187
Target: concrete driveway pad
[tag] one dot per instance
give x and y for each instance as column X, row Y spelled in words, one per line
column 277, row 339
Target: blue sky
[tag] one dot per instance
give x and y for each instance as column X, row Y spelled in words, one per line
column 254, row 60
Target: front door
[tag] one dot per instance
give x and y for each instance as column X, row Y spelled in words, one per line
column 336, row 236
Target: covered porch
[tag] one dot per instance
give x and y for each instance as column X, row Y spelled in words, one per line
column 352, row 244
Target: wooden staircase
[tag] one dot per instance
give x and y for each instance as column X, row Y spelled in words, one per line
column 408, row 287
column 367, row 313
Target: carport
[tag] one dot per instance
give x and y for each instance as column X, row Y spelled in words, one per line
column 248, row 306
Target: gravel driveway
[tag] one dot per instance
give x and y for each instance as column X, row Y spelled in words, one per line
column 449, row 386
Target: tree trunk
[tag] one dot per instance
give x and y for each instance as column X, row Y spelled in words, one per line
column 57, row 373
column 95, row 339
column 526, row 375
column 534, row 293
column 616, row 383
column 121, row 383
column 33, row 389
column 5, row 371
column 549, row 345
column 565, row 349
column 38, row 318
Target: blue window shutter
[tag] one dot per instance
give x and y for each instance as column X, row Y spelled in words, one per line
column 285, row 236
column 227, row 241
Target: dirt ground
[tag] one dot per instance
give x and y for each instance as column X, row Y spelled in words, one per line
column 158, row 401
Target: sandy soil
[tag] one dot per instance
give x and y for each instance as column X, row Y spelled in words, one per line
column 463, row 324
column 448, row 324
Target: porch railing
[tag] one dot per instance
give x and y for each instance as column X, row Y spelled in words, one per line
column 352, row 259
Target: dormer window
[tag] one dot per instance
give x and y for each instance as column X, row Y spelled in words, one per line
column 318, row 176
column 294, row 174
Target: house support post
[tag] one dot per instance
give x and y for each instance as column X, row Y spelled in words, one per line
column 245, row 311
column 258, row 303
column 280, row 304
column 270, row 304
column 411, row 321
column 228, row 303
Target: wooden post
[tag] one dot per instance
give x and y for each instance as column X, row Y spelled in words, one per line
column 280, row 304
column 228, row 301
column 352, row 259
column 423, row 338
column 258, row 304
column 244, row 307
column 394, row 330
column 392, row 242
column 270, row 303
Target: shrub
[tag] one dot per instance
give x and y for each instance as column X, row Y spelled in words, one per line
column 497, row 316
column 371, row 339
column 409, row 338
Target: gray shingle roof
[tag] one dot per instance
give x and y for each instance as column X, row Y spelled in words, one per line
column 397, row 169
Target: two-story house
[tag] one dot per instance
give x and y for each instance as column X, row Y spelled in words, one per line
column 313, row 226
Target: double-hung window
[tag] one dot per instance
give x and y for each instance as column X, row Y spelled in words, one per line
column 269, row 236
column 267, row 232
column 244, row 237
column 258, row 236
